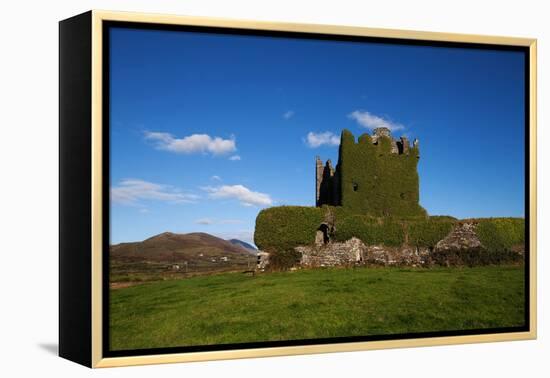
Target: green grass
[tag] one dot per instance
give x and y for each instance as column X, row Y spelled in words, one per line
column 235, row 308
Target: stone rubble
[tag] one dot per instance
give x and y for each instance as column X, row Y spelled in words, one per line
column 354, row 252
column 462, row 237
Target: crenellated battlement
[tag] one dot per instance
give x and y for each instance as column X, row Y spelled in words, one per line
column 399, row 146
column 368, row 178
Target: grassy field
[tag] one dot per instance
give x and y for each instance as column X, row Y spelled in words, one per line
column 235, row 308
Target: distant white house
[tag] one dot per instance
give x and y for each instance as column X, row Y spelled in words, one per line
column 262, row 260
column 224, row 258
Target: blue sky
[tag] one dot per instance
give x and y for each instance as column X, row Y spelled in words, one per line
column 206, row 130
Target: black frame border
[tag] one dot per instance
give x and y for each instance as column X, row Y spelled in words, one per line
column 75, row 194
column 106, row 25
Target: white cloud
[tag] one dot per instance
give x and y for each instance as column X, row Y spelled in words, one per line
column 216, row 178
column 315, row 140
column 371, row 121
column 192, row 144
column 288, row 114
column 239, row 192
column 235, row 158
column 209, row 221
column 132, row 191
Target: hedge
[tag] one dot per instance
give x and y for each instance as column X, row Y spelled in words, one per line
column 501, row 234
column 283, row 260
column 497, row 236
column 475, row 257
column 285, row 227
column 426, row 233
column 370, row 230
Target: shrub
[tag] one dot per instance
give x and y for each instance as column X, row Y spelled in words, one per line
column 497, row 235
column 285, row 227
column 501, row 234
column 392, row 231
column 280, row 229
column 283, row 259
column 426, row 233
column 370, row 230
column 475, row 257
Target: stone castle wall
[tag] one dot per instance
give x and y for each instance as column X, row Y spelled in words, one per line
column 354, row 252
column 377, row 175
column 460, row 247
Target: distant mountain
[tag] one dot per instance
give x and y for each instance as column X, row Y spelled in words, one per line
column 245, row 245
column 169, row 247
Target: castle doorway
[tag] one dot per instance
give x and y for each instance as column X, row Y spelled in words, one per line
column 322, row 235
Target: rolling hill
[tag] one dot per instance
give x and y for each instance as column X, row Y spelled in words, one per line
column 245, row 245
column 169, row 256
column 170, row 247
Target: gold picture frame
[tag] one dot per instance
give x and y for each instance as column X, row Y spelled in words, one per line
column 81, row 42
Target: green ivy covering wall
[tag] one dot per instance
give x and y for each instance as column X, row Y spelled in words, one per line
column 379, row 195
column 285, row 227
column 373, row 181
column 501, row 234
column 426, row 233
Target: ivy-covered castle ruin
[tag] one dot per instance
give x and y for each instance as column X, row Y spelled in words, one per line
column 375, row 175
column 367, row 212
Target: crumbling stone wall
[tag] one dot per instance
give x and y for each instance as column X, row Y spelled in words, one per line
column 348, row 253
column 462, row 237
column 354, row 252
column 461, row 246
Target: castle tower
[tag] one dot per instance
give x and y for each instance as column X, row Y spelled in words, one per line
column 376, row 175
column 318, row 180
